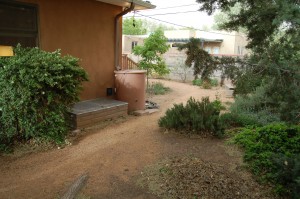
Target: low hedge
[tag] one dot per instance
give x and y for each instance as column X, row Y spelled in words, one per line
column 272, row 153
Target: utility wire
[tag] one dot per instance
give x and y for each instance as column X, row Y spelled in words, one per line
column 149, row 16
column 171, row 13
column 183, row 25
column 166, row 7
column 163, row 8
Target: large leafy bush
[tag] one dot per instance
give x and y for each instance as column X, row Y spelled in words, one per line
column 273, row 152
column 196, row 116
column 37, row 89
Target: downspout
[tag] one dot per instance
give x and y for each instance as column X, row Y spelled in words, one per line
column 117, row 41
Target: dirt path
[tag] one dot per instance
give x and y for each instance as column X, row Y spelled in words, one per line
column 112, row 156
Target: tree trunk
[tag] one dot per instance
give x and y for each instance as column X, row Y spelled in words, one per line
column 147, row 79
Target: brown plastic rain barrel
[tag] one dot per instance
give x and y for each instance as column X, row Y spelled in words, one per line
column 131, row 88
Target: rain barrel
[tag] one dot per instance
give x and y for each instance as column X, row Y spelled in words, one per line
column 131, row 88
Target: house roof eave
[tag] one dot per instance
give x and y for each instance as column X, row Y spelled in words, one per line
column 184, row 40
column 139, row 4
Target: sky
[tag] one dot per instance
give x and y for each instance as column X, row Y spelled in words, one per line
column 192, row 17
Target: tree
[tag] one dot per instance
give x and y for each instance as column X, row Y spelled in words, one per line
column 132, row 26
column 274, row 72
column 273, row 32
column 226, row 65
column 151, row 52
column 153, row 26
column 203, row 63
column 222, row 17
column 206, row 28
column 135, row 26
column 263, row 20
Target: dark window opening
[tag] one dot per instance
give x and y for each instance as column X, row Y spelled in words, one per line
column 133, row 44
column 176, row 45
column 18, row 24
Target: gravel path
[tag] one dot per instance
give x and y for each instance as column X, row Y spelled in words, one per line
column 114, row 156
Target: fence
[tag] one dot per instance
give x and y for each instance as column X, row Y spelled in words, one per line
column 128, row 64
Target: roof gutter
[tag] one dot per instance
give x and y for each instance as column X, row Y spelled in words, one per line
column 117, row 40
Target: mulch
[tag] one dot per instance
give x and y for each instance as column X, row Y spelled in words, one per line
column 187, row 177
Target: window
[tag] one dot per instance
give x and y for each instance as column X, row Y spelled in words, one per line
column 240, row 50
column 18, row 24
column 216, row 50
column 133, row 44
column 207, row 49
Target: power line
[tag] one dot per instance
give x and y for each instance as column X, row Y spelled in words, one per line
column 163, row 8
column 183, row 25
column 166, row 7
column 170, row 13
column 149, row 16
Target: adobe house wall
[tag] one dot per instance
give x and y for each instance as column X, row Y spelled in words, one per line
column 241, row 43
column 84, row 29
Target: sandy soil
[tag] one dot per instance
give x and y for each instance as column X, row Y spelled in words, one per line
column 113, row 156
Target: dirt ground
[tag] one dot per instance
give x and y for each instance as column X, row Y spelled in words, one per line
column 113, row 156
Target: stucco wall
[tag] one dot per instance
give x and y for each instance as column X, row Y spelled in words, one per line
column 127, row 42
column 84, row 29
column 241, row 42
column 228, row 44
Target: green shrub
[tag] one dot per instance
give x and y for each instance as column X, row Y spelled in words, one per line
column 251, row 109
column 214, row 82
column 158, row 88
column 198, row 117
column 251, row 102
column 37, row 89
column 197, row 82
column 205, row 84
column 287, row 174
column 237, row 120
column 244, row 118
column 263, row 144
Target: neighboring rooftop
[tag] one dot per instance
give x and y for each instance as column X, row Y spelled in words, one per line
column 139, row 4
column 205, row 35
column 138, row 36
column 187, row 39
